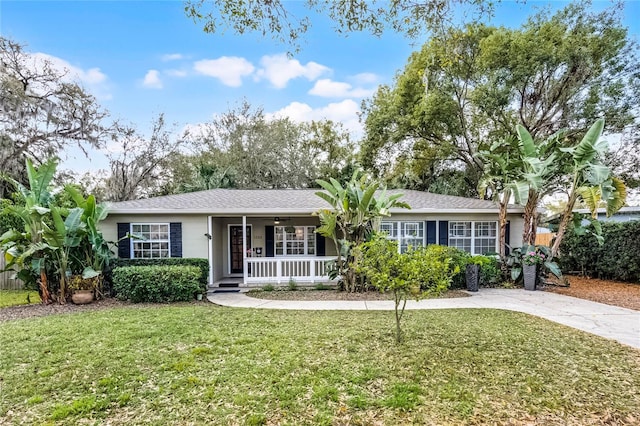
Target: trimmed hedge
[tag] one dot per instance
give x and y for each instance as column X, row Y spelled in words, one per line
column 156, row 284
column 203, row 264
column 618, row 258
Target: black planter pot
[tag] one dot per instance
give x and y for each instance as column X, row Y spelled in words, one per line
column 529, row 274
column 473, row 277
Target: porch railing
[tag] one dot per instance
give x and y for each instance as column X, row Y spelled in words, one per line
column 281, row 269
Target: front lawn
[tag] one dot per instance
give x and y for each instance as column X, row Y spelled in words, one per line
column 18, row 297
column 208, row 365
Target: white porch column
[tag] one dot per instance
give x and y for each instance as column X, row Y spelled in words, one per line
column 210, row 247
column 244, row 250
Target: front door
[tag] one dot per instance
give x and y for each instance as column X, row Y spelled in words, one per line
column 235, row 247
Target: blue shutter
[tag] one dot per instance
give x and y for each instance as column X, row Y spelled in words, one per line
column 507, row 234
column 431, row 231
column 320, row 245
column 124, row 244
column 175, row 239
column 269, row 241
column 444, row 233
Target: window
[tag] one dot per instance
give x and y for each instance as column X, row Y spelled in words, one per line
column 474, row 237
column 407, row 234
column 295, row 240
column 153, row 242
column 412, row 235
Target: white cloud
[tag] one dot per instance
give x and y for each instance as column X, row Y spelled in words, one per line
column 279, row 70
column 228, row 69
column 94, row 80
column 171, row 57
column 176, row 73
column 335, row 89
column 345, row 112
column 365, row 78
column 152, row 80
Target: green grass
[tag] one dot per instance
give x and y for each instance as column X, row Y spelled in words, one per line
column 209, row 365
column 17, row 297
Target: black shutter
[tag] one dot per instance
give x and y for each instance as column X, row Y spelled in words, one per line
column 269, row 241
column 175, row 238
column 444, row 233
column 320, row 245
column 507, row 234
column 431, row 231
column 124, row 245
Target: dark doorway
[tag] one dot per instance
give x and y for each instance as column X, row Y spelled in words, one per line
column 235, row 247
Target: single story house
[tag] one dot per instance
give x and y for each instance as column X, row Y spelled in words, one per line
column 255, row 237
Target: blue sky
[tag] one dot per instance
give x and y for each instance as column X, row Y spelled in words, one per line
column 143, row 58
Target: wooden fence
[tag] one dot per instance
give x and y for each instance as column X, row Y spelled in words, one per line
column 544, row 239
column 7, row 282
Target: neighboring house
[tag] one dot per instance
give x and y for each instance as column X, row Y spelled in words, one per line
column 280, row 241
column 625, row 214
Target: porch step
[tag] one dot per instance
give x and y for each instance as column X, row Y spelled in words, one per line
column 225, row 290
column 228, row 285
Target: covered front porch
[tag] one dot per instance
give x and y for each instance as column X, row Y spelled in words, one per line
column 251, row 251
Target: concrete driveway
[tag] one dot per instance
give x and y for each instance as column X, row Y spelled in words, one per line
column 612, row 322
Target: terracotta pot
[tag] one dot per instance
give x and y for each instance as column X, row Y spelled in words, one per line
column 82, row 297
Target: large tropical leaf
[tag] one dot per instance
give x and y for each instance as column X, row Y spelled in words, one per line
column 590, row 146
column 618, row 198
column 591, row 197
column 40, row 179
column 520, row 191
column 596, row 174
column 528, row 145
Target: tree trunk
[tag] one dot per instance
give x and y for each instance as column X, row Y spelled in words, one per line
column 530, row 218
column 567, row 216
column 45, row 296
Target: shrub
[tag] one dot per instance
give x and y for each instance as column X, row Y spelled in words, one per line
column 157, row 284
column 268, row 287
column 618, row 258
column 458, row 260
column 417, row 273
column 293, row 285
column 490, row 274
column 203, row 264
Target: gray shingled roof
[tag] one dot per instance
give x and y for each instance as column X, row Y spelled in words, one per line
column 274, row 201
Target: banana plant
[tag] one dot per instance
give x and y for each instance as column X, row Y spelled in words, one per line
column 25, row 248
column 538, row 167
column 65, row 235
column 591, row 181
column 355, row 213
column 96, row 254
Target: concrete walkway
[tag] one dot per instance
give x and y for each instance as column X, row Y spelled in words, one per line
column 607, row 321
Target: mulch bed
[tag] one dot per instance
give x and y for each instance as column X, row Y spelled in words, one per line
column 615, row 293
column 335, row 295
column 39, row 310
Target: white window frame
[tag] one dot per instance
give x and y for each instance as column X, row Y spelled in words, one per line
column 398, row 228
column 306, row 231
column 473, row 236
column 133, row 241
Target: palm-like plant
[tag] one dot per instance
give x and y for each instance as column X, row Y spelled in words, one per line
column 356, row 212
column 26, row 248
column 591, row 180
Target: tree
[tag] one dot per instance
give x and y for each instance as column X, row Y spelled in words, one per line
column 25, row 247
column 54, row 241
column 243, row 148
column 276, row 18
column 139, row 165
column 468, row 88
column 41, row 113
column 591, row 181
column 356, row 211
column 418, row 273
